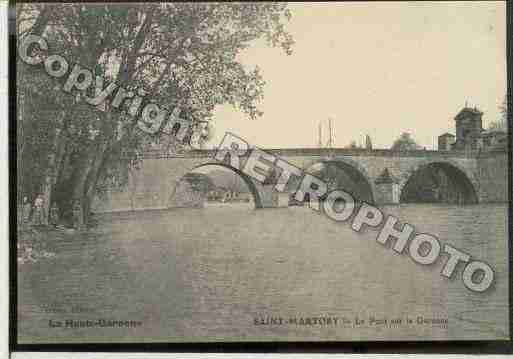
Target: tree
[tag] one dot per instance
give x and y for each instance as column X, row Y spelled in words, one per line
column 199, row 182
column 502, row 123
column 405, row 142
column 229, row 180
column 353, row 145
column 181, row 54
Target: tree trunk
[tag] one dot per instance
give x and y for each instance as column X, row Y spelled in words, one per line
column 52, row 171
column 83, row 169
column 93, row 175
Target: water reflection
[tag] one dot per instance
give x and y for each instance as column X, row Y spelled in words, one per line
column 200, row 274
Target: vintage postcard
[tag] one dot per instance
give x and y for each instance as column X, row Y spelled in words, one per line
column 261, row 172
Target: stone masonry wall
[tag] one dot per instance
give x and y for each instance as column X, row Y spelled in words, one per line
column 153, row 185
column 492, row 174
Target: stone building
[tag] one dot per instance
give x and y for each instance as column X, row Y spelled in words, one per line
column 446, row 141
column 469, row 125
column 493, row 139
column 470, row 134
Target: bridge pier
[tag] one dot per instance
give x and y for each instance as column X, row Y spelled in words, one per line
column 387, row 187
column 387, row 193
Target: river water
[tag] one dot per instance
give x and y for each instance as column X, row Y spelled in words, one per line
column 220, row 272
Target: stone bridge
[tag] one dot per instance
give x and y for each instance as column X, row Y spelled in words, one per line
column 379, row 176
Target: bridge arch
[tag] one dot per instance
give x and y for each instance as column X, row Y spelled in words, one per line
column 355, row 171
column 247, row 180
column 454, row 184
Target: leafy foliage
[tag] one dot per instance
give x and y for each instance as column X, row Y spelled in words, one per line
column 502, row 123
column 405, row 142
column 199, row 182
column 179, row 54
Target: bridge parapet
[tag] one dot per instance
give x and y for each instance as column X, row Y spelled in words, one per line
column 326, row 152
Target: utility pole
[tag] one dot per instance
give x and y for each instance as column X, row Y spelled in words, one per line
column 330, row 141
column 320, row 135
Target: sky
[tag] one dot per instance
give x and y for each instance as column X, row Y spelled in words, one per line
column 378, row 69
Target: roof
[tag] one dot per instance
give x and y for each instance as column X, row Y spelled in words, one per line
column 447, row 134
column 467, row 110
column 386, row 177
